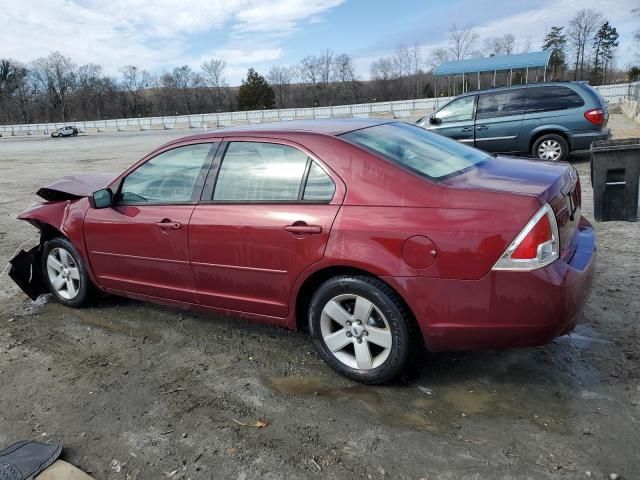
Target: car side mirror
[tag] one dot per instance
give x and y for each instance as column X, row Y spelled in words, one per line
column 101, row 198
column 433, row 120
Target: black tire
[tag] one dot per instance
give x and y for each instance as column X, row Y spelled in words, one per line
column 84, row 288
column 392, row 308
column 551, row 137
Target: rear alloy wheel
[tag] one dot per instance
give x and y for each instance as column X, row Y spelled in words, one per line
column 551, row 147
column 360, row 328
column 64, row 273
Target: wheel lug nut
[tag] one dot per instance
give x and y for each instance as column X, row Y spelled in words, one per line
column 359, row 340
column 365, row 333
column 359, row 322
column 348, row 334
column 348, row 323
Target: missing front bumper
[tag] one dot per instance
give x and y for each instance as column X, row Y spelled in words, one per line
column 26, row 272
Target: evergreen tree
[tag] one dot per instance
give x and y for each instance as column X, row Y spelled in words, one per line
column 255, row 93
column 605, row 42
column 557, row 41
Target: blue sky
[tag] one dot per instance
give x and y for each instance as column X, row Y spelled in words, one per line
column 160, row 34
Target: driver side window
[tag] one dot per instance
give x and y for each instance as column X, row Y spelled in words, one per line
column 170, row 177
column 460, row 110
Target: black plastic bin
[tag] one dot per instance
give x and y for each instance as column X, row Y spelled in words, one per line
column 615, row 173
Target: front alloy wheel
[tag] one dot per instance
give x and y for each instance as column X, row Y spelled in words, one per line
column 361, row 328
column 64, row 273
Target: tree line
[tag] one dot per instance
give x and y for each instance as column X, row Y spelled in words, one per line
column 55, row 88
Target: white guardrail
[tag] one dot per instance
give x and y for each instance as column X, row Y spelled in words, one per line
column 397, row 109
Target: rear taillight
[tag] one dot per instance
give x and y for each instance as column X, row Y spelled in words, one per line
column 536, row 246
column 595, row 116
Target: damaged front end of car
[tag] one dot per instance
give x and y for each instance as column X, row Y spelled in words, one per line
column 61, row 215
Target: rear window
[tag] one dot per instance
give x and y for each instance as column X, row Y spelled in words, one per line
column 426, row 153
column 546, row 99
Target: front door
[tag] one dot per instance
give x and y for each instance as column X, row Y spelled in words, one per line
column 140, row 244
column 455, row 120
column 499, row 118
column 267, row 219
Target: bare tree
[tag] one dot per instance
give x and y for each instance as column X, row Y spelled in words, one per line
column 134, row 81
column 344, row 74
column 382, row 73
column 581, row 30
column 504, row 45
column 439, row 56
column 280, row 80
column 462, row 41
column 310, row 73
column 56, row 75
column 214, row 78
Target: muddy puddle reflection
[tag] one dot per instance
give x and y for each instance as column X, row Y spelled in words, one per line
column 439, row 408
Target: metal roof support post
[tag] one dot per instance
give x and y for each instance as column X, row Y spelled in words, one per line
column 463, row 85
column 544, row 75
column 494, row 78
column 527, row 76
column 510, row 76
column 478, row 80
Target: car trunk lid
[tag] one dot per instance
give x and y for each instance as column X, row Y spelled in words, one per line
column 555, row 183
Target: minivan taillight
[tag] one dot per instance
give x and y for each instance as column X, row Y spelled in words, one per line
column 595, row 116
column 536, row 246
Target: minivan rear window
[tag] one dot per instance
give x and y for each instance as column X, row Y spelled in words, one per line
column 425, row 153
column 546, row 99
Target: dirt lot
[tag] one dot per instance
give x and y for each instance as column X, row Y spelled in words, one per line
column 137, row 391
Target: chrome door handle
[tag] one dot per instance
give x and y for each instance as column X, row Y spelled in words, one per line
column 482, row 127
column 467, row 129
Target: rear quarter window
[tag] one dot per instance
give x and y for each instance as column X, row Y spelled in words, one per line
column 547, row 99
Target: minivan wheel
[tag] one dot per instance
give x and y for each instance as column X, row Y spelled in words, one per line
column 64, row 273
column 361, row 328
column 551, row 147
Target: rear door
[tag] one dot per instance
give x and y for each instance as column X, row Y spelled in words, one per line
column 455, row 120
column 499, row 118
column 265, row 216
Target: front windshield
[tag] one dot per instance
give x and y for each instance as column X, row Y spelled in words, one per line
column 423, row 152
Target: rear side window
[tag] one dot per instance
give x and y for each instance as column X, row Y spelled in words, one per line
column 547, row 99
column 501, row 104
column 425, row 153
column 269, row 172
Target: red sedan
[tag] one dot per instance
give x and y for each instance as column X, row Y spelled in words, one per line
column 378, row 236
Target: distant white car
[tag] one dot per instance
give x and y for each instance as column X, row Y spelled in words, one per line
column 65, row 132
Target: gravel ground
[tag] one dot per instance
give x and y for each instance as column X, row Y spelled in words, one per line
column 138, row 391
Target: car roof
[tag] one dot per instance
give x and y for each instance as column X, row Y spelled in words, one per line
column 525, row 85
column 327, row 127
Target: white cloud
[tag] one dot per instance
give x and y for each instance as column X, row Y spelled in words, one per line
column 152, row 34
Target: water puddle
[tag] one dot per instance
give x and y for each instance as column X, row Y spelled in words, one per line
column 439, row 408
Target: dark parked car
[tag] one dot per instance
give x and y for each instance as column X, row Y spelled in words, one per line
column 378, row 236
column 69, row 131
column 546, row 120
